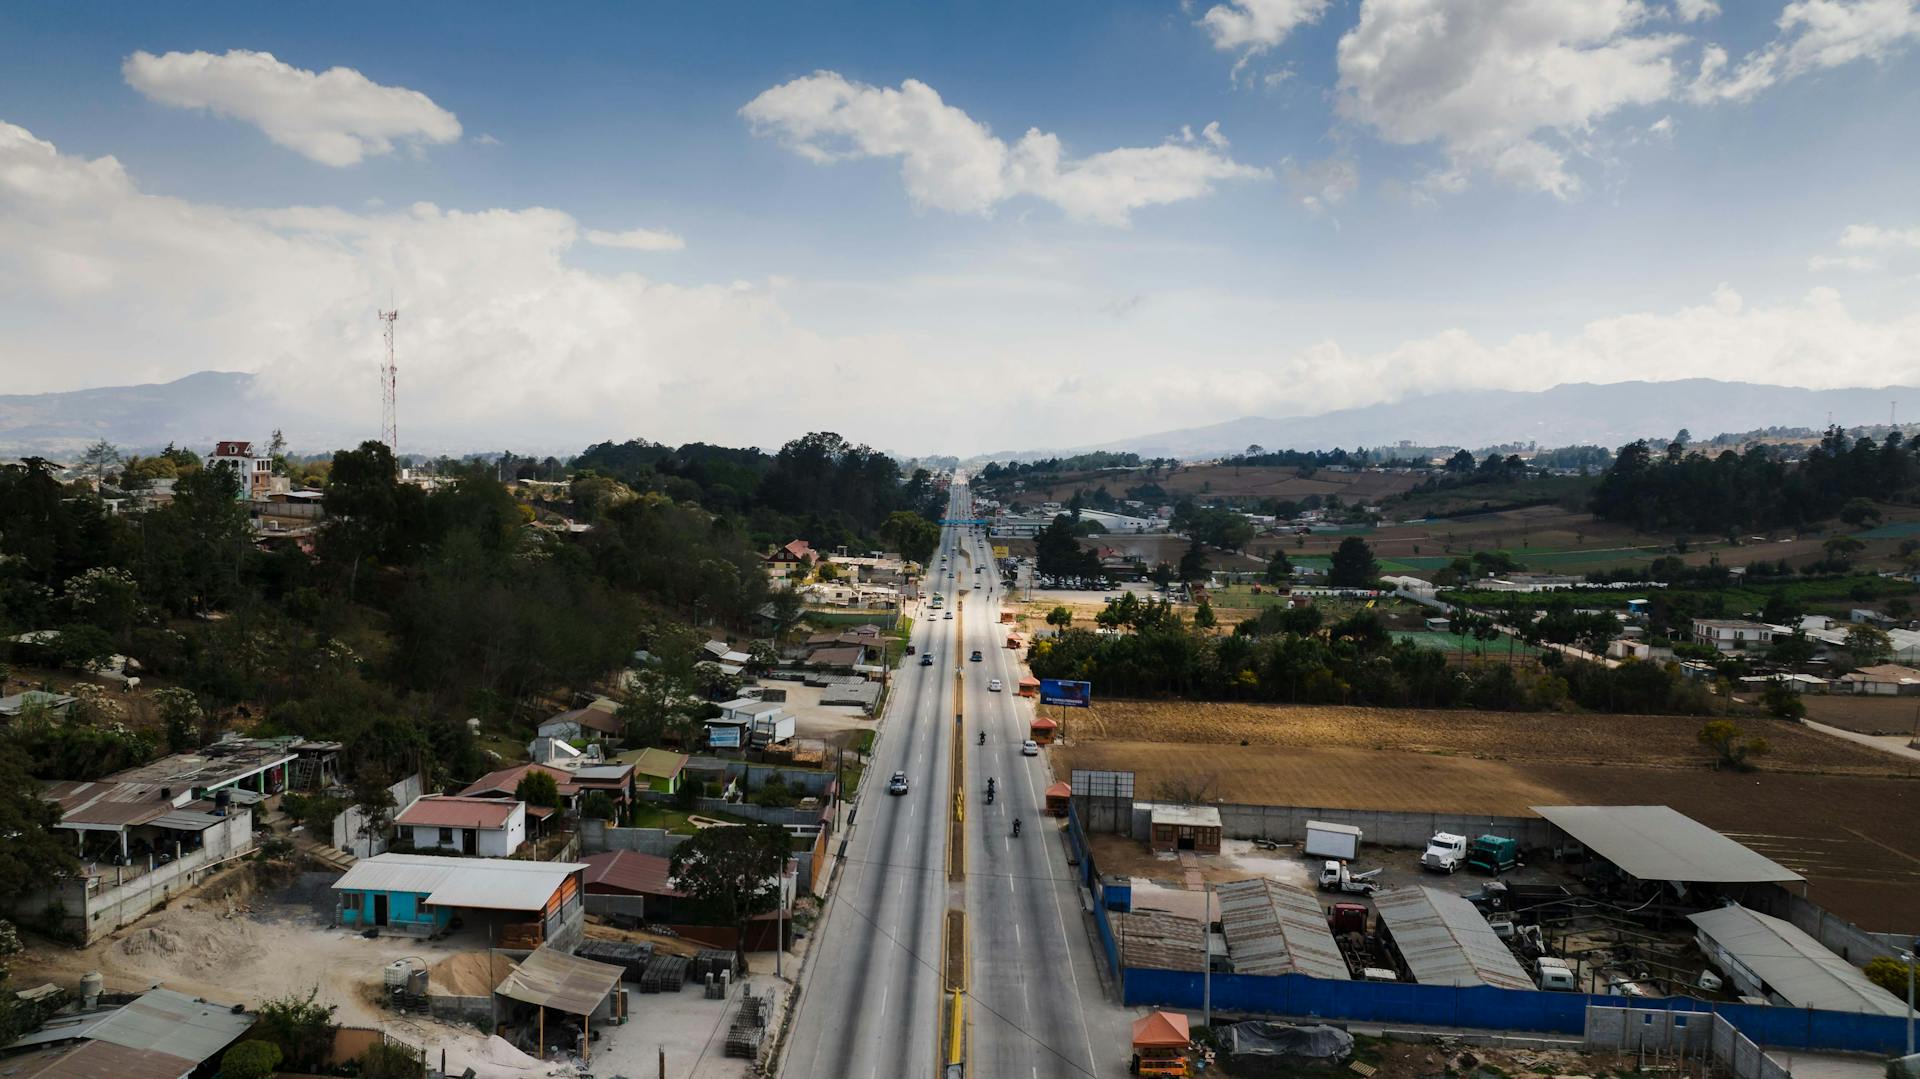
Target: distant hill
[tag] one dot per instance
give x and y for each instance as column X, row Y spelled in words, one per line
column 1606, row 414
column 194, row 411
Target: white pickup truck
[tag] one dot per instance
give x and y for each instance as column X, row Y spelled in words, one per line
column 1445, row 852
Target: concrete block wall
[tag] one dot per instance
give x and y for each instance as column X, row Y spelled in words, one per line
column 596, row 836
column 633, row 906
column 1288, row 824
column 802, row 779
column 1655, row 1030
column 90, row 908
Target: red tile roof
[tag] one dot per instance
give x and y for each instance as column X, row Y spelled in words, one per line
column 454, row 811
column 630, row 872
column 506, row 781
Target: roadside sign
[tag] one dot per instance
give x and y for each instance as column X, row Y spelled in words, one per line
column 1065, row 693
column 1000, row 552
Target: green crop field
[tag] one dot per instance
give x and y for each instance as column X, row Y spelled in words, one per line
column 1452, row 642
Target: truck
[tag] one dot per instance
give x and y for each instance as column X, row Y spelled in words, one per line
column 1336, row 877
column 1553, row 975
column 1325, row 840
column 1445, row 852
column 1493, row 855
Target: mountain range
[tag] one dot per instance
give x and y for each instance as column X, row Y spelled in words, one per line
column 1607, row 414
column 201, row 408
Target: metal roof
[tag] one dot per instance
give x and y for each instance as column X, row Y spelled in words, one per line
column 456, row 811
column 631, row 871
column 1186, row 816
column 1446, row 941
column 560, row 981
column 485, row 883
column 100, row 1060
column 186, row 820
column 1791, row 963
column 176, row 1024
column 1274, row 929
column 1159, row 940
column 1660, row 843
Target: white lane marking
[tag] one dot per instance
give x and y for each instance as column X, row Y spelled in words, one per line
column 884, row 994
column 1016, row 932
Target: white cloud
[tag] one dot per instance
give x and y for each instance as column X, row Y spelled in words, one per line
column 1254, row 26
column 336, row 117
column 1823, row 263
column 637, row 240
column 1813, row 35
column 1504, row 88
column 1877, row 237
column 1320, row 186
column 950, row 161
column 1695, row 10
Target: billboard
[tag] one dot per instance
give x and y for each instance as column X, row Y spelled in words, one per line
column 727, row 737
column 1000, row 552
column 1068, row 694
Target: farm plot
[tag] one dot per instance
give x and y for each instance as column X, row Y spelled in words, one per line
column 1867, row 715
column 1646, row 741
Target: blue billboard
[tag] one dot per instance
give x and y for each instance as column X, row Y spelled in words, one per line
column 723, row 737
column 1067, row 694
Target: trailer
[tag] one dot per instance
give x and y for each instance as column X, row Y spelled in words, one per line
column 1325, row 840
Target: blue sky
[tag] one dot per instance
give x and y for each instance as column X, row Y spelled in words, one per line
column 1268, row 207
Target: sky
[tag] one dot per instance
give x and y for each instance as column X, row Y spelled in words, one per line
column 950, row 228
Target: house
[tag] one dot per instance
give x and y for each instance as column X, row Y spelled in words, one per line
column 1629, row 648
column 253, row 470
column 1882, row 680
column 161, row 1034
column 545, row 750
column 489, row 827
column 843, row 657
column 574, row 777
column 632, row 873
column 1732, row 634
column 789, row 560
column 518, row 904
column 591, row 723
column 659, row 769
column 1794, row 683
column 1194, row 828
column 53, row 704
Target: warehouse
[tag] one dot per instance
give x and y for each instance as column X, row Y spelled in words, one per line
column 1274, row 929
column 1444, row 940
column 1660, row 844
column 1767, row 957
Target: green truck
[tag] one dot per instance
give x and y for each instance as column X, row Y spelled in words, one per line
column 1493, row 855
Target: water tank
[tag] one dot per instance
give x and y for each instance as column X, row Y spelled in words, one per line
column 92, row 984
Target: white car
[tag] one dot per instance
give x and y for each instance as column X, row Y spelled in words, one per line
column 1029, row 748
column 949, row 614
column 993, row 686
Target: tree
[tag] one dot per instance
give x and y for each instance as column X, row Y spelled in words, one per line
column 1868, row 644
column 1353, row 565
column 912, row 535
column 300, row 1027
column 1888, row 973
column 1193, row 564
column 539, row 788
column 29, row 852
column 181, row 714
column 1858, row 511
column 1203, row 615
column 1279, row 571
column 1060, row 617
column 1794, row 650
column 391, row 1060
column 1731, row 746
column 373, row 796
column 1842, row 550
column 250, row 1060
column 99, row 458
column 1161, row 574
column 597, row 805
column 734, row 871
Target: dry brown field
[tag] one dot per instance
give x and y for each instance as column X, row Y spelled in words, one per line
column 1226, row 480
column 1867, row 715
column 1855, row 838
column 1644, row 741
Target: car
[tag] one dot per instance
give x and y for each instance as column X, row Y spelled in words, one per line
column 1029, row 748
column 927, row 660
column 993, row 685
column 897, row 784
column 949, row 614
column 976, row 656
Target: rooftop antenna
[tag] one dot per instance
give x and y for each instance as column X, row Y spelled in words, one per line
column 389, row 374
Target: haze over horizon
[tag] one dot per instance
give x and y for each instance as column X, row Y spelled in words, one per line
column 955, row 234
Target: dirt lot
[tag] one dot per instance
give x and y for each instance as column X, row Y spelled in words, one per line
column 1868, row 715
column 1648, row 741
column 1225, row 481
column 1856, row 838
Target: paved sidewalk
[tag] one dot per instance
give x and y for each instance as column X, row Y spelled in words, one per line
column 1895, row 744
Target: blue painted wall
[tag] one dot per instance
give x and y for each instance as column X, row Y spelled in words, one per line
column 402, row 908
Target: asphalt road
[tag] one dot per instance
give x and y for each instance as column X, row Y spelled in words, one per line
column 870, row 1008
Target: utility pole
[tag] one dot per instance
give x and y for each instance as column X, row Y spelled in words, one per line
column 1206, row 976
column 389, row 378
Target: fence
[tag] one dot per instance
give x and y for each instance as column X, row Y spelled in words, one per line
column 596, row 836
column 1680, row 1034
column 1090, row 880
column 1288, row 824
column 346, row 827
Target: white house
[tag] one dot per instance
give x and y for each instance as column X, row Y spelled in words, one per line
column 1732, row 634
column 488, row 827
column 253, row 470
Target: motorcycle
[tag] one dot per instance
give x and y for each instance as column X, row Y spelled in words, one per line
column 1016, row 826
column 983, row 738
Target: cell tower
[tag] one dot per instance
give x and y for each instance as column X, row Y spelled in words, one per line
column 389, row 375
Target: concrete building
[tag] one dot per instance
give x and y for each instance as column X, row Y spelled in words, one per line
column 1882, row 680
column 253, row 470
column 1732, row 634
column 519, row 904
column 488, row 827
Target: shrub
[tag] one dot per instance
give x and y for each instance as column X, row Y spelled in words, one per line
column 250, row 1060
column 385, row 1060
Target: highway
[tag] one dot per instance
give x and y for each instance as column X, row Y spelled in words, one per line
column 871, row 1002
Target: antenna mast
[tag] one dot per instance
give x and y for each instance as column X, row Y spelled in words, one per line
column 389, row 375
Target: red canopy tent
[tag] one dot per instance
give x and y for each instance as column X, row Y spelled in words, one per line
column 1057, row 797
column 1161, row 1030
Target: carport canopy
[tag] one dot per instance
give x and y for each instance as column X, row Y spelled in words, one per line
column 559, row 981
column 1660, row 843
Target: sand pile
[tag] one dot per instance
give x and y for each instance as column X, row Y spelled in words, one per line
column 468, row 974
column 196, row 945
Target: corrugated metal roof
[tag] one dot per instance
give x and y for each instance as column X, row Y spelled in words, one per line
column 1186, row 816
column 186, row 820
column 631, row 871
column 564, row 982
column 1446, row 941
column 1274, row 929
column 164, row 1021
column 1660, row 843
column 485, row 883
column 1793, row 964
column 455, row 811
column 102, row 1060
column 1159, row 940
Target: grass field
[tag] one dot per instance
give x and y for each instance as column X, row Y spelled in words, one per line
column 1453, row 642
